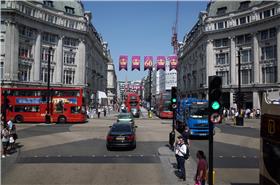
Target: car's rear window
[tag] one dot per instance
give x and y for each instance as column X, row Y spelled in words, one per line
column 121, row 128
column 122, row 116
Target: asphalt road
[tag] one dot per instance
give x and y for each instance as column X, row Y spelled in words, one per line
column 77, row 154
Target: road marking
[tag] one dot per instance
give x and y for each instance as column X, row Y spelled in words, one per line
column 35, row 156
column 105, row 156
column 47, row 156
column 233, row 156
column 244, row 156
column 117, row 155
column 58, row 155
column 255, row 157
column 129, row 155
column 93, row 155
column 221, row 156
column 141, row 155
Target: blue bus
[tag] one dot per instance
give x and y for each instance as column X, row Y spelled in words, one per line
column 193, row 113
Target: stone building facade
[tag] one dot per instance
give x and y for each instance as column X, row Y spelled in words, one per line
column 31, row 30
column 212, row 45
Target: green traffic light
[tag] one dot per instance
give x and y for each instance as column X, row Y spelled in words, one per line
column 173, row 100
column 215, row 105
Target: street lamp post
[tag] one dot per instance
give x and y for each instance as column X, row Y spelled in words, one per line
column 239, row 118
column 48, row 115
column 150, row 93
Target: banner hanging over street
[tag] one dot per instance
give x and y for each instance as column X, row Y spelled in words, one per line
column 173, row 62
column 148, row 62
column 123, row 62
column 135, row 63
column 161, row 62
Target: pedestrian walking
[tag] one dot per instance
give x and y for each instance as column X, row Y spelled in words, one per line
column 10, row 124
column 5, row 141
column 105, row 111
column 12, row 138
column 186, row 135
column 201, row 171
column 180, row 151
column 98, row 112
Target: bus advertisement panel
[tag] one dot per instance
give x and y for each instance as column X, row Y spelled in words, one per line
column 30, row 104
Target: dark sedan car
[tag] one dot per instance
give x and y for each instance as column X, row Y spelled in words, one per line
column 121, row 135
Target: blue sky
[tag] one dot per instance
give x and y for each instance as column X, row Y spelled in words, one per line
column 141, row 28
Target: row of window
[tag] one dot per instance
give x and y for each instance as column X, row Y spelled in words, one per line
column 269, row 75
column 51, row 18
column 247, row 38
column 267, row 53
column 241, row 20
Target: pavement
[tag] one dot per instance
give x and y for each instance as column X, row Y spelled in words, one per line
column 248, row 123
column 168, row 159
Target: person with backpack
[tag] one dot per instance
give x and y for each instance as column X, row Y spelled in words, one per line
column 180, row 152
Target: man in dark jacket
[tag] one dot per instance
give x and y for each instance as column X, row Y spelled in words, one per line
column 186, row 135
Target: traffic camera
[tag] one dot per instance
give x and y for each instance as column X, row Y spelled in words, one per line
column 215, row 93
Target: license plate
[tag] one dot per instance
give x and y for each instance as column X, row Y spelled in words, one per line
column 202, row 134
column 120, row 138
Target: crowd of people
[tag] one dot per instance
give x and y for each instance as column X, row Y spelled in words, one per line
column 182, row 153
column 246, row 113
column 8, row 137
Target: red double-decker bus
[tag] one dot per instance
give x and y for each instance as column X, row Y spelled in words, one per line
column 30, row 104
column 132, row 103
column 163, row 103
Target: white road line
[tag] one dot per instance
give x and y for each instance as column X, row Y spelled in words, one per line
column 244, row 156
column 58, row 155
column 129, row 155
column 233, row 156
column 47, row 156
column 221, row 156
column 105, row 156
column 35, row 156
column 141, row 155
column 117, row 155
column 93, row 155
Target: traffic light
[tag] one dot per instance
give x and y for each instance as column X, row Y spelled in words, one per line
column 174, row 97
column 215, row 93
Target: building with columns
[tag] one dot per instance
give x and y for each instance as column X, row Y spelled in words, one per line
column 212, row 45
column 78, row 55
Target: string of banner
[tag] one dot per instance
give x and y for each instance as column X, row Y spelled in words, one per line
column 148, row 62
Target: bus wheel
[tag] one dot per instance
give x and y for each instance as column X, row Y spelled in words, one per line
column 18, row 119
column 61, row 119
